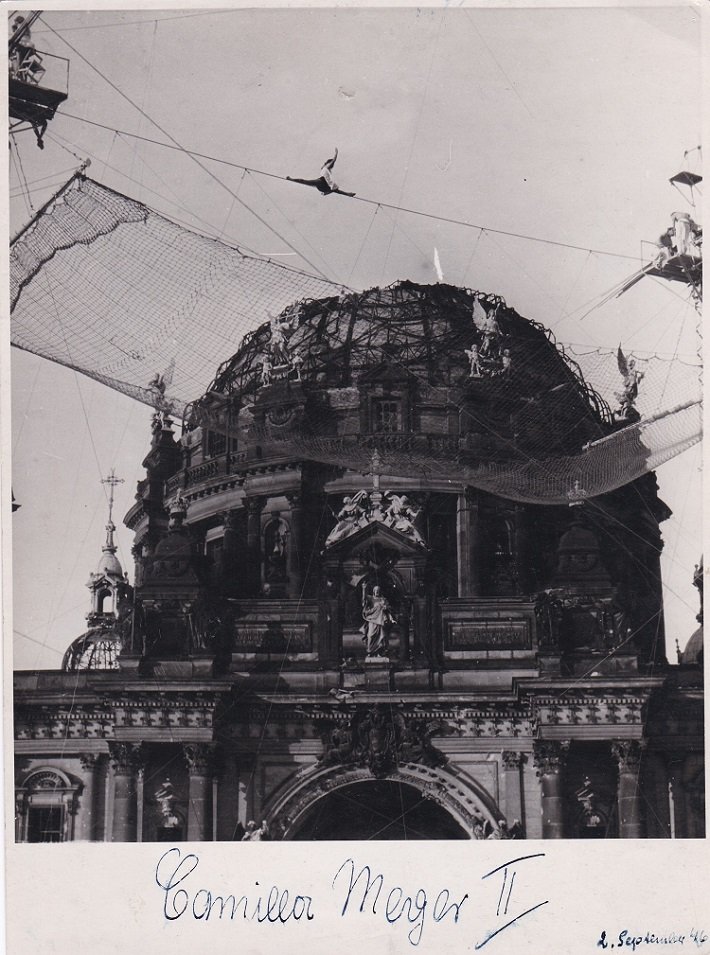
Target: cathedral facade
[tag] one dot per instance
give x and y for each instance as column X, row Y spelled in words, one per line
column 343, row 623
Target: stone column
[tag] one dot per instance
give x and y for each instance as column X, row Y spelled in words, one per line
column 676, row 797
column 140, row 802
column 126, row 759
column 468, row 544
column 628, row 753
column 658, row 823
column 295, row 577
column 406, row 634
column 230, row 551
column 245, row 771
column 102, row 776
column 549, row 760
column 512, row 785
column 227, row 798
column 88, row 799
column 200, row 762
column 254, row 506
column 21, row 807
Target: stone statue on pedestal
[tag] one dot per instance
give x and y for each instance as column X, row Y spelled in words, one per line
column 378, row 619
column 165, row 797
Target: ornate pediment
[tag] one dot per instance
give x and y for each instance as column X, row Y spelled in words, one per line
column 376, row 533
column 392, row 513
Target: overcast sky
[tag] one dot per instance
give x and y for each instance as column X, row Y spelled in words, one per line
column 564, row 124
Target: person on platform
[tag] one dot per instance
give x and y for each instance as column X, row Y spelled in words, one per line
column 665, row 248
column 25, row 61
column 685, row 234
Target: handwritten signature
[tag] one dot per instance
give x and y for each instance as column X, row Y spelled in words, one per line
column 357, row 890
column 277, row 905
column 412, row 906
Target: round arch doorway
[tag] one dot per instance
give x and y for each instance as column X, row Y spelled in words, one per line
column 378, row 809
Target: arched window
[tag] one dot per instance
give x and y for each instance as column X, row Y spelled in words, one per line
column 101, row 597
column 45, row 806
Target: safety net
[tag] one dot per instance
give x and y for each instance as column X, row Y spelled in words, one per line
column 106, row 286
column 600, row 467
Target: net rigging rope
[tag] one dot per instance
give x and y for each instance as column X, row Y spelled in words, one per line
column 139, row 294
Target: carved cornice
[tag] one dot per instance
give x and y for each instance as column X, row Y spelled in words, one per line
column 192, row 494
column 586, row 710
column 54, row 724
column 134, row 516
column 550, row 755
column 496, row 721
column 492, row 725
column 195, row 712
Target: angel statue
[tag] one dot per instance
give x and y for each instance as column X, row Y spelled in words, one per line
column 158, row 385
column 478, row 314
column 350, row 517
column 278, row 344
column 491, row 332
column 400, row 516
column 290, row 316
column 631, row 376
